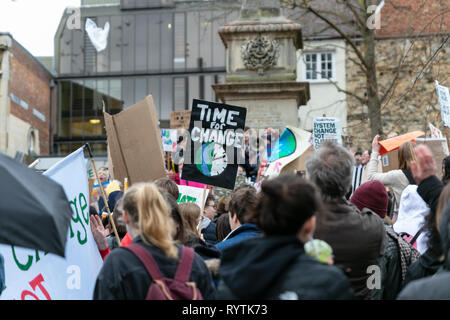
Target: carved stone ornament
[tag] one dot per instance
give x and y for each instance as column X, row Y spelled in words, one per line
column 260, row 54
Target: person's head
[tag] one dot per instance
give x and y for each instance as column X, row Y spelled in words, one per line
column 168, row 185
column 117, row 216
column 222, row 205
column 103, row 174
column 178, row 232
column 405, row 155
column 330, row 169
column 446, row 170
column 371, row 195
column 358, row 156
column 190, row 212
column 210, row 207
column 286, row 205
column 222, row 227
column 146, row 213
column 242, row 201
column 365, row 157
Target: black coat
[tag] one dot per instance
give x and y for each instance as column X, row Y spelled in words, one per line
column 436, row 286
column 391, row 271
column 430, row 190
column 209, row 233
column 272, row 268
column 124, row 277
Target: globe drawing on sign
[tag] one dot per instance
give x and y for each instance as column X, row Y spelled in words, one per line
column 211, row 159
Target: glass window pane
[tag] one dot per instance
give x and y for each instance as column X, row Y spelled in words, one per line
column 103, row 56
column 314, row 57
column 77, row 109
column 129, row 30
column 140, row 89
column 193, row 33
column 166, row 42
column 154, row 36
column 141, row 42
column 154, row 88
column 180, row 41
column 116, row 43
column 166, row 98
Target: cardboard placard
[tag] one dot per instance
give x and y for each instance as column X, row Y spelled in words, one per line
column 394, row 143
column 287, row 151
column 180, row 119
column 135, row 144
column 326, row 129
column 216, row 138
column 438, row 147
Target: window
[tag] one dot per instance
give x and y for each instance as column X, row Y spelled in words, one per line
column 318, row 66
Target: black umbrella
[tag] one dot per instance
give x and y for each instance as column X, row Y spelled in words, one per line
column 34, row 210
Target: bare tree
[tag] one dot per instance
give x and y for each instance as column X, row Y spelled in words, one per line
column 351, row 20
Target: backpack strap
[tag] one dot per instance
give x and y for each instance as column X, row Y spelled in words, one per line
column 147, row 260
column 417, row 235
column 185, row 265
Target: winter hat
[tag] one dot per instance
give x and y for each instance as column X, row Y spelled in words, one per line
column 371, row 195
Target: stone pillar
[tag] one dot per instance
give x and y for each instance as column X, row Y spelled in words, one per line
column 261, row 63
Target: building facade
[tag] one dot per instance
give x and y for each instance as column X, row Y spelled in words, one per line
column 170, row 49
column 26, row 101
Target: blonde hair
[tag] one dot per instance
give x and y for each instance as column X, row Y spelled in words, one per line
column 406, row 155
column 149, row 212
column 190, row 213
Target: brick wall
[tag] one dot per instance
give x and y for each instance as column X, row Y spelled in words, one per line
column 413, row 17
column 414, row 102
column 30, row 82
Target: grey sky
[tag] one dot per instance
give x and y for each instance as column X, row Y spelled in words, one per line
column 33, row 23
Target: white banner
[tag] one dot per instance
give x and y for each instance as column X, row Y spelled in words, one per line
column 444, row 102
column 35, row 275
column 326, row 129
column 191, row 194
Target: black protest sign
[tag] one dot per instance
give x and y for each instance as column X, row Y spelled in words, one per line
column 216, row 139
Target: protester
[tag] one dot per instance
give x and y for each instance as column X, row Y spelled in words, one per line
column 168, row 185
column 358, row 170
column 222, row 207
column 399, row 179
column 241, row 180
column 433, row 284
column 179, row 230
column 276, row 266
column 147, row 216
column 357, row 238
column 398, row 254
column 242, row 202
column 222, row 227
column 208, row 227
column 446, row 170
column 190, row 212
column 120, row 226
column 431, row 190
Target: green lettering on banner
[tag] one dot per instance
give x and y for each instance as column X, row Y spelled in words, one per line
column 29, row 263
column 186, row 198
column 78, row 218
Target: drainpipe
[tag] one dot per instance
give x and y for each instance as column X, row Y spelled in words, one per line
column 5, row 46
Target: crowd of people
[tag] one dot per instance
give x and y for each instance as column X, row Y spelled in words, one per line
column 345, row 230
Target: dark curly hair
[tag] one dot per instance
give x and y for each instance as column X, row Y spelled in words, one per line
column 285, row 204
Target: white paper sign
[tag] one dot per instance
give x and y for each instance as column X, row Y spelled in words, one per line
column 444, row 102
column 169, row 140
column 435, row 132
column 326, row 129
column 191, row 194
column 35, row 275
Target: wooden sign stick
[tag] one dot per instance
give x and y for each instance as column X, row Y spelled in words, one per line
column 103, row 194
